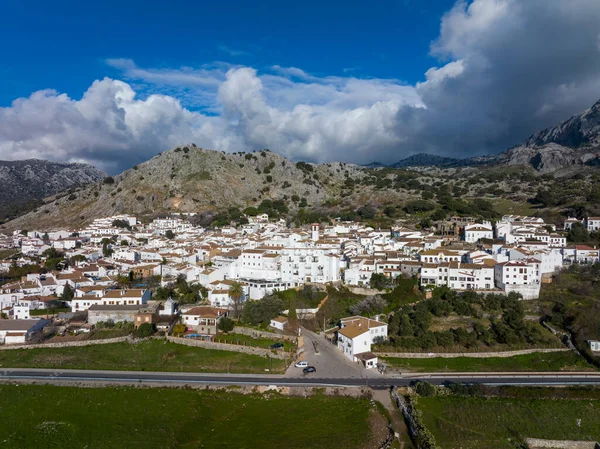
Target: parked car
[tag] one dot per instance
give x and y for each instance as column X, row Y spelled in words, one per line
column 302, row 364
column 309, row 369
column 276, row 345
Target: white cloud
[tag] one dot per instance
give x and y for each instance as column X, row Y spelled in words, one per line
column 507, row 68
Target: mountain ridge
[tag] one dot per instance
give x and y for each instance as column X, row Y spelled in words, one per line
column 25, row 183
column 188, row 178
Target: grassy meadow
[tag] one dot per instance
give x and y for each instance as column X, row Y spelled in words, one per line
column 540, row 361
column 150, row 355
column 45, row 416
column 504, row 422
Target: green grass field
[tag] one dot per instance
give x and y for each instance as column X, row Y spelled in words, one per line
column 494, row 423
column 264, row 343
column 151, row 355
column 67, row 417
column 550, row 361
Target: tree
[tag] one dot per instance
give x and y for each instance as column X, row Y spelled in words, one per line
column 427, row 194
column 144, row 330
column 578, row 234
column 369, row 306
column 107, row 251
column 170, row 234
column 390, row 211
column 424, row 388
column 292, row 314
column 77, row 258
column 236, row 293
column 261, row 312
column 123, row 280
column 179, row 329
column 366, row 212
column 120, row 224
column 379, row 281
column 251, row 211
column 68, row 294
column 416, row 206
column 225, row 324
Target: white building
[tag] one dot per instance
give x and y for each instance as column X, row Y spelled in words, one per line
column 19, row 331
column 476, row 232
column 592, row 224
column 302, row 265
column 520, row 277
column 125, row 297
column 356, row 335
column 459, row 276
column 279, row 323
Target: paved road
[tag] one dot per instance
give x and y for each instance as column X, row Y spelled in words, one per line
column 162, row 379
column 329, row 361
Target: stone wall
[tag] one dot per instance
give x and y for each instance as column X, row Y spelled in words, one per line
column 365, row 291
column 229, row 347
column 448, row 355
column 94, row 317
column 67, row 344
column 261, row 334
column 535, row 443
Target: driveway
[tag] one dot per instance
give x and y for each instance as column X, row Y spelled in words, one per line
column 329, row 361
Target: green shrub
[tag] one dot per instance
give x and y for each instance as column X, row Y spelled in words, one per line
column 144, row 330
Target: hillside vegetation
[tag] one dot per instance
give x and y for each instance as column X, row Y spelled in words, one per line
column 223, row 187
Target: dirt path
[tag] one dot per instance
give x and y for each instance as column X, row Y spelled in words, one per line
column 383, row 396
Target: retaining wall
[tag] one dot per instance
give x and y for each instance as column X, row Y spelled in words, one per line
column 67, row 344
column 365, row 291
column 229, row 347
column 262, row 334
column 535, row 443
column 449, row 355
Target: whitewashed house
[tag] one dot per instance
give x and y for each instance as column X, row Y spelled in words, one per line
column 19, row 331
column 476, row 232
column 520, row 277
column 279, row 323
column 356, row 335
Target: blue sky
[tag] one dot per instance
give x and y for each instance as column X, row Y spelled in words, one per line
column 114, row 83
column 62, row 45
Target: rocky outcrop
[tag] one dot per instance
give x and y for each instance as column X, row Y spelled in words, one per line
column 580, row 131
column 548, row 158
column 192, row 179
column 29, row 181
column 574, row 142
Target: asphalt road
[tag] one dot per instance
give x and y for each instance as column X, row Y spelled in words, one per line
column 164, row 379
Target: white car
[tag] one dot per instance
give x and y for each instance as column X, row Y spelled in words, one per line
column 302, row 364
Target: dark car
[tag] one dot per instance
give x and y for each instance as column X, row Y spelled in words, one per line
column 276, row 345
column 309, row 369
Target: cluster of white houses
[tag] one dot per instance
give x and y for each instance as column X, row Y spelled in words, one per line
column 515, row 254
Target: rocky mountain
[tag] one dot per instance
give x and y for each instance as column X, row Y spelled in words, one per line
column 427, row 160
column 189, row 179
column 192, row 179
column 574, row 142
column 25, row 183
